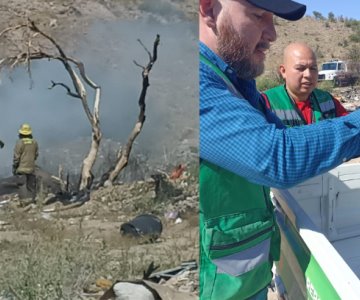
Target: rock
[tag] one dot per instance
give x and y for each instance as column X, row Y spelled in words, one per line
column 53, row 23
column 167, row 292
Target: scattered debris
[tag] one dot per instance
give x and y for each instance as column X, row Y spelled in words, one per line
column 145, row 225
column 348, row 96
column 67, row 198
column 171, row 215
column 111, row 207
column 165, row 275
column 4, row 202
column 153, row 285
column 177, row 172
column 4, row 223
column 103, row 283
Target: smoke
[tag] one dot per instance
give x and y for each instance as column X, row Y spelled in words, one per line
column 162, row 11
column 108, row 51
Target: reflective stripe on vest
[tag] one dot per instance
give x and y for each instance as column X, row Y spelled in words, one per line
column 239, row 237
column 244, row 261
column 287, row 114
column 27, row 141
column 327, row 106
column 322, row 104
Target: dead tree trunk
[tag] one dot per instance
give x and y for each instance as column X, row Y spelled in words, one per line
column 123, row 157
column 33, row 48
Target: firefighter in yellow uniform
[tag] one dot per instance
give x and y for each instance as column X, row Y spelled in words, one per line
column 25, row 153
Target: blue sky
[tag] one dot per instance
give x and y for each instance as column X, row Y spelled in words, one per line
column 347, row 8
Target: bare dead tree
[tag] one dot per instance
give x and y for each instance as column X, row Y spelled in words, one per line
column 39, row 45
column 123, row 157
column 46, row 47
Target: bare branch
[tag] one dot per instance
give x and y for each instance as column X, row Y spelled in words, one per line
column 36, row 46
column 12, row 29
column 23, row 57
column 122, row 161
column 156, row 44
column 137, row 64
column 48, row 37
column 79, row 87
column 28, row 61
column 81, row 68
column 147, row 51
column 69, row 92
column 146, row 84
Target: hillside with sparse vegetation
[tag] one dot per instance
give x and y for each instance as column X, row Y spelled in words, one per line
column 331, row 37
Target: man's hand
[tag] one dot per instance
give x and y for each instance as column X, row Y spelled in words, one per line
column 2, row 144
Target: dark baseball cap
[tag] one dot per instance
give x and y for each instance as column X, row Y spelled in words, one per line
column 286, row 9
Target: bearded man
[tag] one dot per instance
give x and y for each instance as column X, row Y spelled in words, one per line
column 245, row 148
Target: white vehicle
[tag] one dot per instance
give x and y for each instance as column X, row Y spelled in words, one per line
column 319, row 222
column 331, row 68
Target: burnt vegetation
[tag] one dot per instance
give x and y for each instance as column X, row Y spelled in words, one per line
column 37, row 44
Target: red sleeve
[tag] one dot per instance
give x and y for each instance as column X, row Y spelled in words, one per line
column 339, row 109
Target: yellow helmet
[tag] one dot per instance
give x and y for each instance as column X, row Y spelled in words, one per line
column 25, row 129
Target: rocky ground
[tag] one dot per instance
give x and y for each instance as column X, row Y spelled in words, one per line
column 97, row 222
column 348, row 96
column 70, row 20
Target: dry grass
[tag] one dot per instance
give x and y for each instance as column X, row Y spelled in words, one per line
column 50, row 265
column 43, row 259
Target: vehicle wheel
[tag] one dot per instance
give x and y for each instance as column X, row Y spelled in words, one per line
column 336, row 82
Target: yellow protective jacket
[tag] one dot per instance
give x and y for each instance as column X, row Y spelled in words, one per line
column 25, row 153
